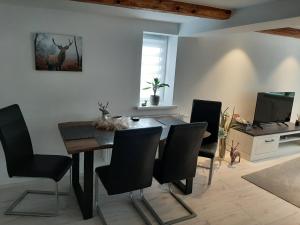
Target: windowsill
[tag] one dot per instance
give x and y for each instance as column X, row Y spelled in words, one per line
column 159, row 107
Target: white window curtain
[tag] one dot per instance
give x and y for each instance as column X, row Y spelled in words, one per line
column 154, row 57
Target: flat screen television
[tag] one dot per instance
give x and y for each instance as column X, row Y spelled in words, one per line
column 273, row 107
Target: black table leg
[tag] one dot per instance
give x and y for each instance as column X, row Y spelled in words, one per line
column 186, row 188
column 85, row 195
column 75, row 169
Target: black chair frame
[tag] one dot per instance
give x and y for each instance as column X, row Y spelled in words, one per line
column 11, row 209
column 191, row 212
column 12, row 116
column 132, row 199
column 201, row 129
column 209, row 111
column 120, row 145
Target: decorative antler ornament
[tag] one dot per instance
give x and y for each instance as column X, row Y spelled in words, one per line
column 226, row 123
column 103, row 108
column 234, row 153
column 110, row 123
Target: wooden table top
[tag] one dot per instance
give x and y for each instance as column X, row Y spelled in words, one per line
column 102, row 139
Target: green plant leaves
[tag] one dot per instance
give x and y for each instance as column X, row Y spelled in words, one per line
column 155, row 85
column 156, row 81
column 163, row 85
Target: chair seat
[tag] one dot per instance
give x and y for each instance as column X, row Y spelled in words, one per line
column 114, row 187
column 45, row 166
column 209, row 150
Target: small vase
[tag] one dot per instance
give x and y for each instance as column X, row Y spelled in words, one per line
column 222, row 148
column 104, row 117
column 154, row 99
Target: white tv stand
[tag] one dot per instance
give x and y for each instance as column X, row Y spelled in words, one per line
column 272, row 141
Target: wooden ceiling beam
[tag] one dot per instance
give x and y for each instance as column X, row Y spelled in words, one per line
column 285, row 31
column 168, row 6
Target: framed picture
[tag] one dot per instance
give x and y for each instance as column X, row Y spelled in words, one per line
column 54, row 52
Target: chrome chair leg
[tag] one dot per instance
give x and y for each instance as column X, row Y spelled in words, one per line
column 11, row 211
column 191, row 215
column 99, row 212
column 211, row 170
column 139, row 210
column 97, row 205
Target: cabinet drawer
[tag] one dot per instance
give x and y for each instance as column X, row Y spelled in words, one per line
column 265, row 144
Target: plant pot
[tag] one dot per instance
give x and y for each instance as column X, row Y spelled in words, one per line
column 154, row 99
column 222, row 148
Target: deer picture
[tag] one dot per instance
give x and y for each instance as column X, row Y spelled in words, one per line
column 234, row 153
column 56, row 61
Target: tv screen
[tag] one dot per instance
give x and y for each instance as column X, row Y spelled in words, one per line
column 273, row 107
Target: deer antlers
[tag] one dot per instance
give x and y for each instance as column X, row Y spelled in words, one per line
column 103, row 108
column 55, row 43
column 70, row 43
column 59, row 46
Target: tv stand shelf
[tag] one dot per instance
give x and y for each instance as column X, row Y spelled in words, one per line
column 271, row 141
column 289, row 138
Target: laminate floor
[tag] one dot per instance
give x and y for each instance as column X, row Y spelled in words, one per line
column 230, row 200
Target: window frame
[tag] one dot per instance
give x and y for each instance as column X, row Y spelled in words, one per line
column 169, row 65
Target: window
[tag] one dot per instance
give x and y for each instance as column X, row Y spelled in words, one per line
column 158, row 61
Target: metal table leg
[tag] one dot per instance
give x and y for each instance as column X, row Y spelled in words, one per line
column 84, row 195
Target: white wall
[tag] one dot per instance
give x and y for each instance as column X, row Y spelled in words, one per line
column 228, row 68
column 111, row 70
column 234, row 68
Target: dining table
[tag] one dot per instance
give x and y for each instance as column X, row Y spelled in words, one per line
column 83, row 138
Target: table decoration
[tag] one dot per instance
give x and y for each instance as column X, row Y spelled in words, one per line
column 106, row 122
column 112, row 123
column 226, row 123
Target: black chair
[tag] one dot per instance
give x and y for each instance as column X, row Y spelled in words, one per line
column 21, row 162
column 208, row 111
column 131, row 166
column 178, row 162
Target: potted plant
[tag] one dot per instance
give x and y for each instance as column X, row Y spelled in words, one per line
column 155, row 85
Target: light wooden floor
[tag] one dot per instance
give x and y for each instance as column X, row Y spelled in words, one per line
column 230, row 200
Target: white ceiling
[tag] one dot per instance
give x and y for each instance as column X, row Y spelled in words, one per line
column 227, row 4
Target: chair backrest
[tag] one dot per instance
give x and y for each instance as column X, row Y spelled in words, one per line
column 179, row 158
column 14, row 137
column 133, row 157
column 210, row 112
